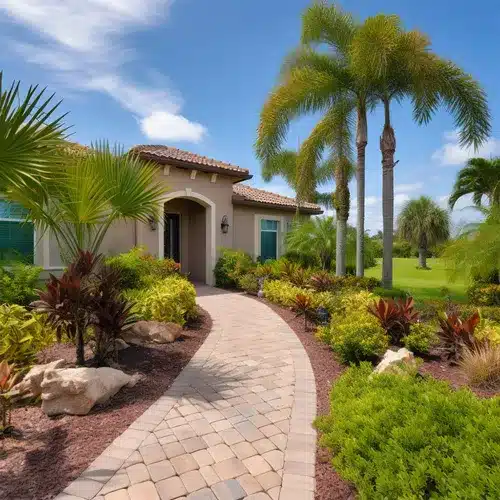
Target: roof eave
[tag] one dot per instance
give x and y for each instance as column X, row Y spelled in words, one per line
column 239, row 200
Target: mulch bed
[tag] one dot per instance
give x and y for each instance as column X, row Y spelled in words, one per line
column 54, row 451
column 329, row 485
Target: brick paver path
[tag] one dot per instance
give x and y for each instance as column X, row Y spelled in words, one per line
column 236, row 423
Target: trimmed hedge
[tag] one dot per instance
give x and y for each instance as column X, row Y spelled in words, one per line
column 397, row 436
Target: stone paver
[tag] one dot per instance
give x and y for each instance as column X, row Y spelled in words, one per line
column 236, row 423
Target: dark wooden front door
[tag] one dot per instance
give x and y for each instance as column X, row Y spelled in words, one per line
column 173, row 237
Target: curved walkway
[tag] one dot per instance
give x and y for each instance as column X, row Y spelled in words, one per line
column 236, row 423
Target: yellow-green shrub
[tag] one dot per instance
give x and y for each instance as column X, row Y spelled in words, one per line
column 422, row 338
column 488, row 330
column 171, row 299
column 22, row 335
column 284, row 293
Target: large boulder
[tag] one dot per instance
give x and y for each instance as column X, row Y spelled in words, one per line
column 144, row 332
column 75, row 391
column 393, row 361
column 31, row 383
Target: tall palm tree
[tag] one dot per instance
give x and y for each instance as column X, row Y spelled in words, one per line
column 481, row 178
column 91, row 191
column 399, row 64
column 30, row 132
column 423, row 223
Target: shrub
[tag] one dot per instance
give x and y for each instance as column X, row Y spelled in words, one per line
column 422, row 338
column 22, row 335
column 8, row 378
column 303, row 306
column 481, row 366
column 249, row 282
column 322, row 281
column 172, row 299
column 488, row 330
column 455, row 334
column 355, row 338
column 281, row 292
column 231, row 265
column 395, row 317
column 18, row 285
column 408, row 437
column 484, row 295
column 136, row 268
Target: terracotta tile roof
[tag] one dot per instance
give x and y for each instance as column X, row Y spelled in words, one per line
column 165, row 153
column 255, row 195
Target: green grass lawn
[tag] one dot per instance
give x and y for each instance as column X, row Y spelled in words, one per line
column 421, row 284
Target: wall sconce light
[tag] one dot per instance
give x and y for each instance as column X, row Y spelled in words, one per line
column 153, row 223
column 224, row 225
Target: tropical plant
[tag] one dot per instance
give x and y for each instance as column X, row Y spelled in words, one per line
column 423, row 223
column 18, row 283
column 481, row 365
column 8, row 378
column 456, row 333
column 30, row 133
column 249, row 282
column 89, row 193
column 231, row 265
column 421, row 338
column 395, row 317
column 399, row 64
column 482, row 294
column 481, row 178
column 322, row 281
column 303, row 306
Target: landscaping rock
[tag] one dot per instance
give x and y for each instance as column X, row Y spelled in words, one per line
column 75, row 391
column 31, row 383
column 120, row 344
column 393, row 360
column 144, row 332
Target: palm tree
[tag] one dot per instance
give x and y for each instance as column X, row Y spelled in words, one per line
column 423, row 223
column 30, row 133
column 399, row 64
column 92, row 190
column 481, row 178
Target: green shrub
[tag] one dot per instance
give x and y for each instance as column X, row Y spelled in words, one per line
column 18, row 284
column 22, row 335
column 355, row 338
column 137, row 268
column 484, row 295
column 422, row 338
column 488, row 330
column 249, row 282
column 407, row 437
column 231, row 265
column 171, row 299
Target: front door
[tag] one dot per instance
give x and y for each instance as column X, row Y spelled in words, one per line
column 172, row 248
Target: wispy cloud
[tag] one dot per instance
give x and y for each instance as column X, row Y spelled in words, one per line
column 408, row 188
column 451, row 153
column 83, row 42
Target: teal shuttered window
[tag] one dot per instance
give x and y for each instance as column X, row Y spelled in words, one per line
column 16, row 234
column 268, row 239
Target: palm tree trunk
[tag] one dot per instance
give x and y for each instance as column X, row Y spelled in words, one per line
column 361, row 142
column 387, row 148
column 422, row 258
column 340, row 246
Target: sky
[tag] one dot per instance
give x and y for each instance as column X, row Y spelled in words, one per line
column 194, row 74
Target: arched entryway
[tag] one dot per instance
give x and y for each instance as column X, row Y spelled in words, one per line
column 188, row 233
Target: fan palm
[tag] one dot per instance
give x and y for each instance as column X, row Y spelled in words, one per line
column 91, row 192
column 423, row 223
column 481, row 178
column 399, row 64
column 30, row 131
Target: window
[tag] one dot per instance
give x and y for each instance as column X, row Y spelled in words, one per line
column 16, row 235
column 268, row 239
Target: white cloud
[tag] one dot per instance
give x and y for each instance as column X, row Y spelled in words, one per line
column 451, row 153
column 83, row 43
column 405, row 188
column 400, row 198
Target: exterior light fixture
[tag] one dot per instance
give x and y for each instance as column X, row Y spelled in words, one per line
column 322, row 315
column 153, row 223
column 224, row 225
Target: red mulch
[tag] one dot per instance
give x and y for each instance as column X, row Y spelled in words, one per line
column 54, row 451
column 329, row 485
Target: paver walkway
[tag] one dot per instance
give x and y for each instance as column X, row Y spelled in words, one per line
column 236, row 423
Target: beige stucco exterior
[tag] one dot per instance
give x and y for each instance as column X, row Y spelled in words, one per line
column 201, row 199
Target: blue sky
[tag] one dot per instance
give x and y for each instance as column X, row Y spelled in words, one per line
column 195, row 73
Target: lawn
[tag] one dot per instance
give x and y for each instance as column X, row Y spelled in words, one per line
column 422, row 284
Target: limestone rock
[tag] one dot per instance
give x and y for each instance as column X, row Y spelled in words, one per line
column 393, row 360
column 31, row 383
column 144, row 332
column 75, row 391
column 120, row 344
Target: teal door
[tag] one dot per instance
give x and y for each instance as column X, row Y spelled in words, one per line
column 268, row 239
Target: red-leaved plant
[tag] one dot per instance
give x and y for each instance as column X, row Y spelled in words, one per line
column 322, row 281
column 302, row 305
column 395, row 317
column 455, row 334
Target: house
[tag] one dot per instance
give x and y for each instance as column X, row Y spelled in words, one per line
column 207, row 206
